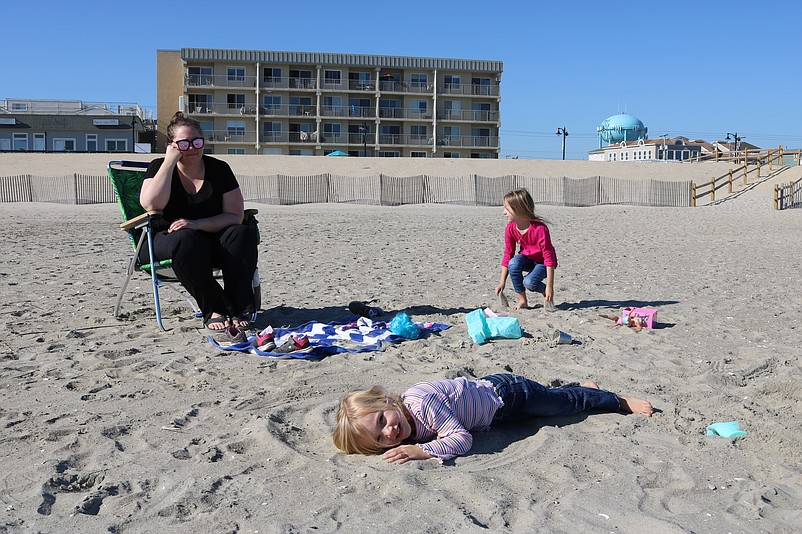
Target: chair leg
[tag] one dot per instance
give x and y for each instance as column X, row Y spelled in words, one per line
column 154, row 280
column 131, row 269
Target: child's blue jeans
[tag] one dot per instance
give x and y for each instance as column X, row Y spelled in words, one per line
column 526, row 398
column 533, row 281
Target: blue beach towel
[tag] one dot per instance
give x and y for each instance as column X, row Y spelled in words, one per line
column 362, row 335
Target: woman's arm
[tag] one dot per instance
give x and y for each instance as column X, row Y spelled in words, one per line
column 155, row 192
column 233, row 213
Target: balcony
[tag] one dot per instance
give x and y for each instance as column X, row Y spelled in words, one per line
column 484, row 141
column 302, row 83
column 208, row 108
column 218, row 80
column 274, row 137
column 468, row 115
column 228, row 136
column 469, row 89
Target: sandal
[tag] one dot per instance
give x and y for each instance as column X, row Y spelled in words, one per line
column 222, row 320
column 243, row 321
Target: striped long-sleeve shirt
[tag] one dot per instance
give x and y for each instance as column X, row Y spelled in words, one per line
column 446, row 411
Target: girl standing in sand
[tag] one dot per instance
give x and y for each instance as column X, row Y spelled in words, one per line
column 435, row 419
column 536, row 254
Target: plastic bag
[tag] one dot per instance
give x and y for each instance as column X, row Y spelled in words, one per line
column 481, row 328
column 402, row 325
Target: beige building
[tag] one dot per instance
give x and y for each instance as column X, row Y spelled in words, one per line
column 303, row 103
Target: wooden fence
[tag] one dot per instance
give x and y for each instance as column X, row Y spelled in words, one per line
column 382, row 190
column 788, row 195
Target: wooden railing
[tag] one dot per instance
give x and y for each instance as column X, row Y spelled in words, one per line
column 752, row 163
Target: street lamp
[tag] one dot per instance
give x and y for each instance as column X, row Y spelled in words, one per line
column 736, row 140
column 562, row 131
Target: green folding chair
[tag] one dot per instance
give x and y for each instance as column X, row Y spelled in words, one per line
column 126, row 179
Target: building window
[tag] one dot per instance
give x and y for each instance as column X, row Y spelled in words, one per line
column 20, row 141
column 301, row 152
column 271, row 76
column 39, row 142
column 5, row 144
column 116, row 145
column 235, row 151
column 480, row 86
column 333, row 106
column 451, row 135
column 271, row 131
column 235, row 129
column 301, row 105
column 199, row 76
column 479, row 155
column 235, row 101
column 389, row 154
column 332, row 132
column 63, row 144
column 235, row 74
column 452, row 109
column 416, row 154
column 419, row 82
column 301, row 79
column 451, row 154
column 452, row 83
column 332, row 77
column 91, row 142
column 271, row 105
column 200, row 103
column 19, row 106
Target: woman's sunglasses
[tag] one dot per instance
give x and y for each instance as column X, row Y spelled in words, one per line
column 184, row 144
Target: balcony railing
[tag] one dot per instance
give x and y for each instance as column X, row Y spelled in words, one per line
column 303, row 83
column 219, row 80
column 468, row 89
column 486, row 141
column 230, row 136
column 472, row 115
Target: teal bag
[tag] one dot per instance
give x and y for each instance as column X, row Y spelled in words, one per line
column 482, row 328
column 477, row 326
column 508, row 327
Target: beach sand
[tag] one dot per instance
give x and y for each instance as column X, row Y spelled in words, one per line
column 112, row 426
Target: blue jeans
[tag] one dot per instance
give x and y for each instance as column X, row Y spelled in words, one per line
column 533, row 281
column 526, row 398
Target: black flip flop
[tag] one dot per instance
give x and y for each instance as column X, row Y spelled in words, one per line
column 215, row 320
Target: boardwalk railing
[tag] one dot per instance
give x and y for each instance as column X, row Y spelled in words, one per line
column 382, row 190
column 752, row 167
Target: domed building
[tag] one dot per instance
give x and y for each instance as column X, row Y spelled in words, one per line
column 621, row 127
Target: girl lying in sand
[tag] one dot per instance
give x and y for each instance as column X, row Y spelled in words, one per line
column 435, row 419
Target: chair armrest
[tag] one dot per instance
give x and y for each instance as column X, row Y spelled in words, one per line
column 140, row 220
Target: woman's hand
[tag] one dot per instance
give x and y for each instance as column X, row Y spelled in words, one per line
column 404, row 453
column 171, row 154
column 180, row 224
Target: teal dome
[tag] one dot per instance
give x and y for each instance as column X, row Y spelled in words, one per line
column 621, row 127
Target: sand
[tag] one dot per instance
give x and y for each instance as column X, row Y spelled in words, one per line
column 112, row 426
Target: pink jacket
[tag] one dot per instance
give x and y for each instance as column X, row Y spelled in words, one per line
column 534, row 243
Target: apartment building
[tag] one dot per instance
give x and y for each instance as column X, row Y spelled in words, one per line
column 304, row 103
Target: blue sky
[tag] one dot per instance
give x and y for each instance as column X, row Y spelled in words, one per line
column 697, row 69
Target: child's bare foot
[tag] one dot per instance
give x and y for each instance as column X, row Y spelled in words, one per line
column 590, row 384
column 635, row 405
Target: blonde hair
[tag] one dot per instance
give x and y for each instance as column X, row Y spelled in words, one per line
column 521, row 204
column 351, row 437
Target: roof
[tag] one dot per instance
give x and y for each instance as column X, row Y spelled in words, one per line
column 350, row 60
column 66, row 122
